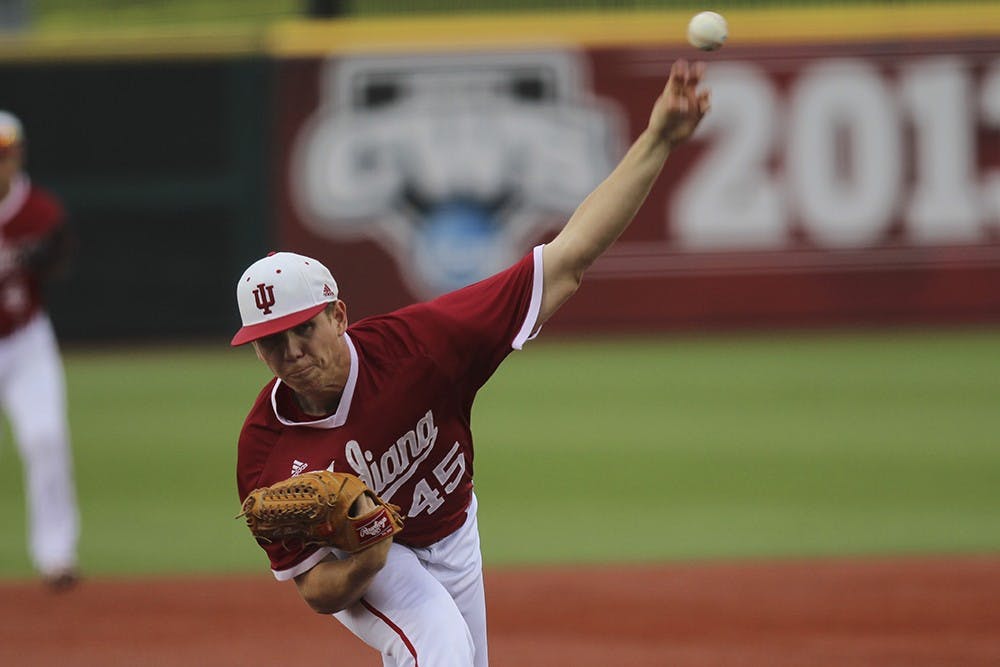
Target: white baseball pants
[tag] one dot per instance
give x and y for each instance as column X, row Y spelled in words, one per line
column 427, row 607
column 33, row 395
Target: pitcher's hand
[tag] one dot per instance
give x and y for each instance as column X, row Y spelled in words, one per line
column 681, row 105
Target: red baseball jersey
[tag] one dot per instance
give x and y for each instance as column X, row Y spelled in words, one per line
column 27, row 216
column 403, row 422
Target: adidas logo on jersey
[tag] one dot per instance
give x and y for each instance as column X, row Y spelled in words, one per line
column 298, row 467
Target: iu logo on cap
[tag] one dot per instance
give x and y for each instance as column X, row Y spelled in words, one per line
column 263, row 296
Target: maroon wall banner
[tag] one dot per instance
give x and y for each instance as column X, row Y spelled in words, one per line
column 831, row 184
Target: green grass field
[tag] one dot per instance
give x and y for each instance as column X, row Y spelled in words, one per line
column 626, row 450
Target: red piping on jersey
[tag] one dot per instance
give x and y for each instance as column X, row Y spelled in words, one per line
column 395, row 628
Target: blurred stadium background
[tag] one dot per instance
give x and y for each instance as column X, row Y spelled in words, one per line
column 46, row 14
column 794, row 351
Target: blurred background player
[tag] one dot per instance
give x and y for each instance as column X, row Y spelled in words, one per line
column 35, row 246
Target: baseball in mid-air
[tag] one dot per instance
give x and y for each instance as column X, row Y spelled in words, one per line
column 707, row 31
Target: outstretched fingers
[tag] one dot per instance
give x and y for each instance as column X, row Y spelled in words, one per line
column 704, row 102
column 682, row 104
column 697, row 71
column 677, row 81
column 683, row 84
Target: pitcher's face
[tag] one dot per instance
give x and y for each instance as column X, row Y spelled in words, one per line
column 311, row 358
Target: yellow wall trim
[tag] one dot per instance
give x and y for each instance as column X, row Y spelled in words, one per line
column 311, row 38
column 658, row 28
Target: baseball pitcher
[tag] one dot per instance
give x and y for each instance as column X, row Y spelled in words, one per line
column 355, row 464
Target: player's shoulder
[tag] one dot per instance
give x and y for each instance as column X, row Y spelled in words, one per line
column 260, row 432
column 37, row 213
column 44, row 203
column 261, row 416
column 390, row 335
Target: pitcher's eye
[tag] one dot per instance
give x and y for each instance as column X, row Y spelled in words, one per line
column 304, row 328
column 269, row 342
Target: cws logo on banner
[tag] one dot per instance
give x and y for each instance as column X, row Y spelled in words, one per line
column 454, row 164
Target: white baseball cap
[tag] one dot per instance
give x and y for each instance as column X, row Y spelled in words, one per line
column 279, row 292
column 11, row 130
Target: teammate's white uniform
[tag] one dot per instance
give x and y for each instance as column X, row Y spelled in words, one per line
column 32, row 387
column 402, row 425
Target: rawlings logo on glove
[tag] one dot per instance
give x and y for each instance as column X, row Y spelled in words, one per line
column 327, row 508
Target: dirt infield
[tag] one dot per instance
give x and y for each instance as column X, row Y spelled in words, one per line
column 912, row 612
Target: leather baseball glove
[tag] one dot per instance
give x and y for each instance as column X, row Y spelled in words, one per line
column 323, row 508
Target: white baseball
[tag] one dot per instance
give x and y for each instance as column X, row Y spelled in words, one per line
column 707, row 31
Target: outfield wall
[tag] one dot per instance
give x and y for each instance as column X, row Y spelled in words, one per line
column 848, row 174
column 162, row 165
